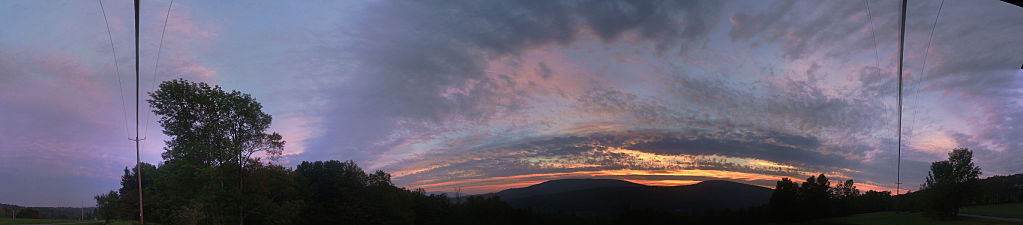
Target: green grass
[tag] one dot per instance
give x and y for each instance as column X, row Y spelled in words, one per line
column 1011, row 210
column 44, row 221
column 884, row 218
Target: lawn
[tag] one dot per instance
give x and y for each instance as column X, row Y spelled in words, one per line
column 882, row 218
column 44, row 221
column 1011, row 210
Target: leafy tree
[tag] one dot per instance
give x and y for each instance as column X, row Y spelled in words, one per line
column 950, row 181
column 784, row 201
column 274, row 194
column 129, row 194
column 845, row 197
column 216, row 133
column 212, row 126
column 815, row 194
column 107, row 205
column 334, row 191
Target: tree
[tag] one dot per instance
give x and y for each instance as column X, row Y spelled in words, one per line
column 845, row 197
column 783, row 201
column 129, row 191
column 873, row 201
column 219, row 130
column 334, row 192
column 212, row 126
column 814, row 195
column 950, row 181
column 107, row 205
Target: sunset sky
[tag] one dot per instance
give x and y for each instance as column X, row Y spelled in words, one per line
column 489, row 95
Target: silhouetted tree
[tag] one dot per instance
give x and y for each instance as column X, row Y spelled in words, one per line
column 873, row 201
column 215, row 128
column 949, row 182
column 334, row 192
column 844, row 198
column 814, row 195
column 107, row 205
column 784, row 203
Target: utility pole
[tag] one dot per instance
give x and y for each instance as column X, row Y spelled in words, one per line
column 138, row 158
column 902, row 41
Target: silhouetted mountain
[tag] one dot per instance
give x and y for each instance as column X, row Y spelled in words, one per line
column 560, row 186
column 603, row 197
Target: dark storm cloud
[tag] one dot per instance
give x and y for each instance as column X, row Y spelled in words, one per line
column 421, row 63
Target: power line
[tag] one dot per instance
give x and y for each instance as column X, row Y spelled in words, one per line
column 877, row 63
column 918, row 80
column 157, row 66
column 117, row 67
column 923, row 68
column 873, row 35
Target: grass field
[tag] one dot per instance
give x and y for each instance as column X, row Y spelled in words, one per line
column 1011, row 210
column 44, row 221
column 883, row 218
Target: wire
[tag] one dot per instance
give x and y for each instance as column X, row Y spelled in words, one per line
column 117, row 68
column 923, row 69
column 157, row 66
column 877, row 62
column 873, row 35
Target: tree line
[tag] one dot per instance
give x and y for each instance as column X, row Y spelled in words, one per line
column 950, row 185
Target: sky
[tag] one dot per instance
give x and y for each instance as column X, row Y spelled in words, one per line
column 489, row 95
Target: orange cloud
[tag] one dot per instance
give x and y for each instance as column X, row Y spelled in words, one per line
column 485, row 185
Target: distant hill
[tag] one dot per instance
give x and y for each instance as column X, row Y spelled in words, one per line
column 51, row 212
column 999, row 189
column 604, row 197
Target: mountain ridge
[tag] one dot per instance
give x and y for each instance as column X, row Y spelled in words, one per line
column 602, row 197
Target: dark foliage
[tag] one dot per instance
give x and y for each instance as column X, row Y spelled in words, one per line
column 998, row 189
column 950, row 182
column 815, row 198
column 28, row 213
column 784, row 202
column 108, row 205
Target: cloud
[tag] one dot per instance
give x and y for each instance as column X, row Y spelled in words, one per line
column 399, row 75
column 644, row 153
column 59, row 113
